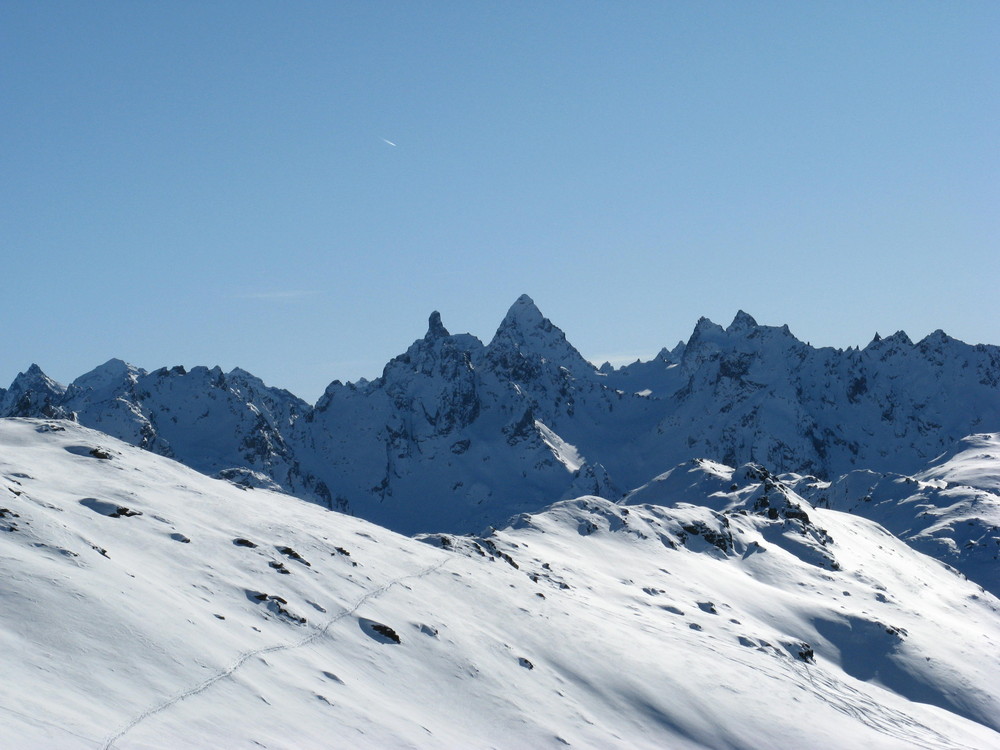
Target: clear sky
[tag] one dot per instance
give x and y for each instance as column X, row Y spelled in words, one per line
column 215, row 183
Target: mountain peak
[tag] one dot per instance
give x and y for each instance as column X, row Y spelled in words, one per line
column 109, row 376
column 525, row 334
column 704, row 330
column 936, row 338
column 34, row 377
column 898, row 339
column 741, row 323
column 33, row 394
column 524, row 313
column 114, row 366
column 435, row 328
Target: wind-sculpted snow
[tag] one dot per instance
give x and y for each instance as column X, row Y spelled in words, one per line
column 455, row 435
column 712, row 621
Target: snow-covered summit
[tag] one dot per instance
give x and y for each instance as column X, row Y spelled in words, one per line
column 526, row 344
column 33, row 393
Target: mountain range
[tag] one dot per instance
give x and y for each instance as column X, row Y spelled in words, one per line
column 456, row 435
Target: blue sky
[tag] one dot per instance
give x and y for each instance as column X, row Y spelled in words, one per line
column 190, row 183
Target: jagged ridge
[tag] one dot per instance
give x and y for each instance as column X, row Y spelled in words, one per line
column 456, row 434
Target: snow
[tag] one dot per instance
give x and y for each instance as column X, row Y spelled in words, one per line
column 138, row 615
column 565, row 453
column 950, row 509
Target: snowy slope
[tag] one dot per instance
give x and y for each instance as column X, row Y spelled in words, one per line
column 149, row 606
column 950, row 510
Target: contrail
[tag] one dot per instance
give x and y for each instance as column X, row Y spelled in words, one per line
column 389, row 142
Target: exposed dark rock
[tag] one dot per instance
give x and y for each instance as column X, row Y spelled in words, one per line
column 289, row 552
column 106, row 508
column 379, row 631
column 276, row 605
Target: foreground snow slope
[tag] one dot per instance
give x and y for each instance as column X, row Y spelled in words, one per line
column 950, row 510
column 148, row 606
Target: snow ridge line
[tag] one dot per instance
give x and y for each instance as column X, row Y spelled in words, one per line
column 246, row 655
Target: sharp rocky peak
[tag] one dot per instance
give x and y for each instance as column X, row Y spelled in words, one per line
column 527, row 335
column 33, row 394
column 898, row 339
column 742, row 323
column 435, row 328
column 743, row 327
column 34, row 377
column 524, row 315
column 438, row 352
column 706, row 334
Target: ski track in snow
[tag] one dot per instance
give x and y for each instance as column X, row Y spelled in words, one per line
column 879, row 717
column 246, row 655
column 850, row 701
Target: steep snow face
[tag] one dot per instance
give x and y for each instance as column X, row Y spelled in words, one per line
column 146, row 605
column 950, row 510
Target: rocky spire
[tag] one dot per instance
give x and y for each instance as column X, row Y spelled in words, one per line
column 435, row 328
